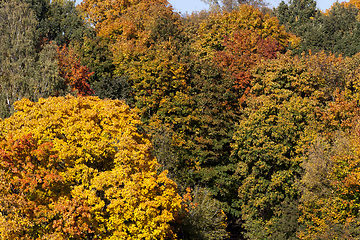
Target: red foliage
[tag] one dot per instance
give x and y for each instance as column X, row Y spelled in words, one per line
column 75, row 74
column 341, row 113
column 34, row 195
column 242, row 52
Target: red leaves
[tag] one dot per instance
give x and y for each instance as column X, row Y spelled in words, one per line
column 242, row 52
column 75, row 74
column 71, row 212
column 33, row 190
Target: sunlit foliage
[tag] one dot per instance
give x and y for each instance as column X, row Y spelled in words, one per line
column 101, row 157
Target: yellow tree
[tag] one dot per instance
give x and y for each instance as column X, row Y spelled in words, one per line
column 145, row 38
column 105, row 162
column 356, row 3
column 330, row 202
column 218, row 25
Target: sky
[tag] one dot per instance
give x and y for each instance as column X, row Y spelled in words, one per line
column 184, row 6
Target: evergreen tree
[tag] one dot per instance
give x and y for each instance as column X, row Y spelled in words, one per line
column 342, row 30
column 296, row 14
column 337, row 31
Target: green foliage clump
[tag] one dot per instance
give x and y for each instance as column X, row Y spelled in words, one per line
column 270, row 141
column 24, row 72
column 335, row 31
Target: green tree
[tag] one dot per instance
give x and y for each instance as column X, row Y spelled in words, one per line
column 20, row 63
column 62, row 23
column 341, row 26
column 270, row 141
column 300, row 17
column 39, row 7
column 336, row 31
column 296, row 14
column 227, row 47
column 95, row 53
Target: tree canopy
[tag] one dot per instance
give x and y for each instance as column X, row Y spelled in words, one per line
column 129, row 120
column 95, row 160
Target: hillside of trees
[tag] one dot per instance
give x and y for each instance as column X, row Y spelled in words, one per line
column 128, row 120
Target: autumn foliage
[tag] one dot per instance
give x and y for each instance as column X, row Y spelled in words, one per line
column 251, row 114
column 77, row 167
column 34, row 199
column 76, row 76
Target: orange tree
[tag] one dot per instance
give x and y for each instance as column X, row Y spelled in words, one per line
column 33, row 193
column 83, row 153
column 75, row 75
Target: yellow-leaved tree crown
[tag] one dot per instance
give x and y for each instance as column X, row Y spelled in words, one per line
column 103, row 162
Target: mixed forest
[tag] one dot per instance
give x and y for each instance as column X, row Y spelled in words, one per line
column 125, row 119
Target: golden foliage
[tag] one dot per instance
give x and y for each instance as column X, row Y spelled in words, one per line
column 330, row 203
column 224, row 24
column 106, row 161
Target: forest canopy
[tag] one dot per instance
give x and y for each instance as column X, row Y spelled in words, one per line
column 129, row 120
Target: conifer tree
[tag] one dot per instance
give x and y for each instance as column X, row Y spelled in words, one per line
column 296, row 14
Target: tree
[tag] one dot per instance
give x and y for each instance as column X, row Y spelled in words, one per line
column 356, row 3
column 34, row 198
column 330, row 202
column 230, row 5
column 297, row 14
column 352, row 72
column 219, row 97
column 300, row 17
column 105, row 162
column 20, row 63
column 219, row 25
column 341, row 27
column 336, row 31
column 120, row 21
column 76, row 76
column 95, row 53
column 61, row 23
column 227, row 47
column 145, row 47
column 270, row 141
column 202, row 216
column 39, row 7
